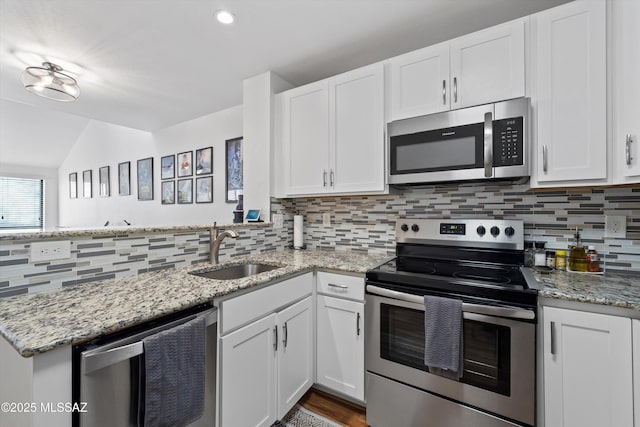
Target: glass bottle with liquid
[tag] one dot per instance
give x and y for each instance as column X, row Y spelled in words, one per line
column 577, row 255
column 593, row 262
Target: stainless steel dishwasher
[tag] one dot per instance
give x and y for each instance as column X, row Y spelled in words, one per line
column 106, row 372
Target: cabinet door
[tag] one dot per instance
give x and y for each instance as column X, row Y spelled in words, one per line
column 587, row 369
column 356, row 126
column 626, row 65
column 306, row 139
column 340, row 364
column 571, row 92
column 420, row 82
column 295, row 354
column 488, row 65
column 248, row 361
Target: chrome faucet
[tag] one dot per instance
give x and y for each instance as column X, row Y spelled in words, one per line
column 215, row 238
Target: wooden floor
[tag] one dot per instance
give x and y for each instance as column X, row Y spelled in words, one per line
column 333, row 408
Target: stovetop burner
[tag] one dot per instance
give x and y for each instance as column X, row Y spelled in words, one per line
column 453, row 257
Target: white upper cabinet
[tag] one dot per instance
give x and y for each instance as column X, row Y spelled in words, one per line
column 420, row 82
column 626, row 83
column 482, row 67
column 570, row 99
column 333, row 135
column 306, row 134
column 488, row 65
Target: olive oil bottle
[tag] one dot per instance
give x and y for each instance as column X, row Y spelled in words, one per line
column 577, row 255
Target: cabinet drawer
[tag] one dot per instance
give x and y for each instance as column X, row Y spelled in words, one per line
column 245, row 308
column 340, row 285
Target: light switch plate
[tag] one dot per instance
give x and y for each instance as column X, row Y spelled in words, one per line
column 615, row 226
column 49, row 251
column 278, row 220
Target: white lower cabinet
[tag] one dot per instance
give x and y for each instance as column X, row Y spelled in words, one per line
column 587, row 369
column 340, row 334
column 266, row 366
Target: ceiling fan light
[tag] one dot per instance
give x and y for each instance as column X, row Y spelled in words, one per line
column 50, row 82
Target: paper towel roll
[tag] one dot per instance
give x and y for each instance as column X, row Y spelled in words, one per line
column 298, row 232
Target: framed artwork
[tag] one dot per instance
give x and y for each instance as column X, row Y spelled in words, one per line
column 87, row 184
column 204, row 189
column 145, row 179
column 168, row 192
column 168, row 167
column 233, row 161
column 73, row 185
column 185, row 164
column 204, row 161
column 185, row 191
column 103, row 179
column 124, row 178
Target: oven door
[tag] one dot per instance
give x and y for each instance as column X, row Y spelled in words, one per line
column 499, row 353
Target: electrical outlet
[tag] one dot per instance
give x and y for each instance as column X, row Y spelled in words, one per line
column 615, row 226
column 278, row 220
column 49, row 251
column 326, row 220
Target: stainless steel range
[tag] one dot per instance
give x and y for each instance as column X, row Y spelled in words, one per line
column 481, row 263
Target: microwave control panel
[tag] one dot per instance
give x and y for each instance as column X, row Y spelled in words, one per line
column 508, row 142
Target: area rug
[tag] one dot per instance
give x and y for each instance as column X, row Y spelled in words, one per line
column 301, row 417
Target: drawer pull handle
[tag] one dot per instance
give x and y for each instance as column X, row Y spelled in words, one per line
column 333, row 285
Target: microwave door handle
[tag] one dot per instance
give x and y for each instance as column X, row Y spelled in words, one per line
column 488, row 145
column 489, row 310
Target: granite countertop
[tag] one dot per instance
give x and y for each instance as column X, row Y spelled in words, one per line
column 68, row 233
column 614, row 289
column 39, row 322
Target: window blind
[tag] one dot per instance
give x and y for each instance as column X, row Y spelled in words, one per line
column 21, row 203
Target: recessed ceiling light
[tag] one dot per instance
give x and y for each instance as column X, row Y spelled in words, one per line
column 225, row 17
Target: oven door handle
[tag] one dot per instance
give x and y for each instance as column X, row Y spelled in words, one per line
column 489, row 310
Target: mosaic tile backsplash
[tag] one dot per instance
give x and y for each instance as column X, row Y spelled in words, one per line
column 100, row 258
column 367, row 223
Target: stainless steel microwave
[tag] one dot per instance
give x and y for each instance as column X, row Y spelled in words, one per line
column 478, row 143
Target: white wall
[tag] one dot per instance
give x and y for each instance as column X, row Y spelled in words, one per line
column 105, row 144
column 50, row 177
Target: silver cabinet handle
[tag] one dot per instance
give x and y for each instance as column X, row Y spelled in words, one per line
column 627, row 150
column 358, row 324
column 444, row 92
column 275, row 340
column 286, row 334
column 331, row 178
column 324, row 178
column 488, row 145
column 545, row 155
column 455, row 89
column 333, row 285
column 553, row 338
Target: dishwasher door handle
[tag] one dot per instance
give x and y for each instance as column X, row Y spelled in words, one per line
column 110, row 357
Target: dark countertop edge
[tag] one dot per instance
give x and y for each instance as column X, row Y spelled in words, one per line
column 27, row 352
column 120, row 231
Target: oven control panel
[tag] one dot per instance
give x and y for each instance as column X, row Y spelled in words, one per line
column 499, row 233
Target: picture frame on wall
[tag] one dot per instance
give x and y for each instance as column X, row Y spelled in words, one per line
column 73, row 185
column 87, row 184
column 124, row 178
column 233, row 172
column 168, row 192
column 103, row 180
column 185, row 164
column 145, row 179
column 204, row 161
column 185, row 191
column 168, row 167
column 204, row 189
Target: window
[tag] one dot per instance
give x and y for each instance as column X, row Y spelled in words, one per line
column 21, row 203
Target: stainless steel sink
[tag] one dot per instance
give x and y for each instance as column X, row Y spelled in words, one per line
column 236, row 271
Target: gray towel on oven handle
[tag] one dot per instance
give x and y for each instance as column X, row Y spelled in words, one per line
column 443, row 352
column 175, row 375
